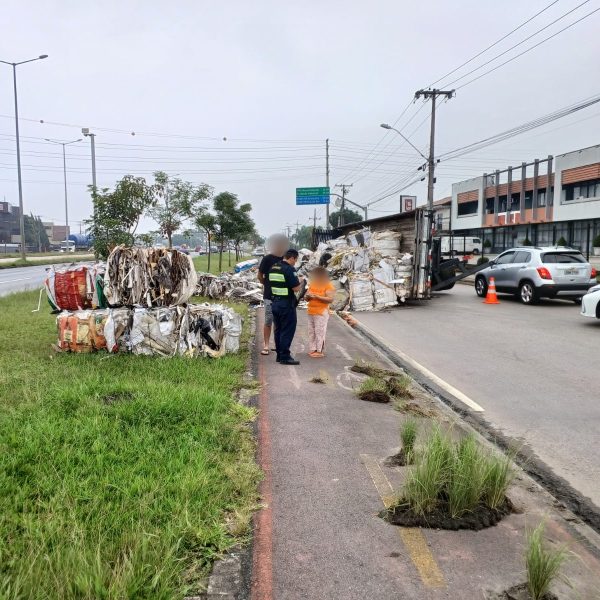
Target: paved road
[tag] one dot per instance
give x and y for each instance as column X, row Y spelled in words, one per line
column 20, row 279
column 534, row 370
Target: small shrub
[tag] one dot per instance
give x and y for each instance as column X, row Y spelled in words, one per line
column 498, row 476
column 561, row 242
column 482, row 260
column 428, row 478
column 408, row 437
column 527, row 242
column 596, row 242
column 487, row 243
column 542, row 563
column 466, row 477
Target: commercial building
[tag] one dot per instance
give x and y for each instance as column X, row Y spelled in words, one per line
column 541, row 202
column 56, row 233
column 9, row 223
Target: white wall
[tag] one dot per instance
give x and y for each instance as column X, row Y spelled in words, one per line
column 575, row 209
column 470, row 221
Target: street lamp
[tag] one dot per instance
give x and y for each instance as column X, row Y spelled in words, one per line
column 63, row 144
column 22, row 217
column 386, row 126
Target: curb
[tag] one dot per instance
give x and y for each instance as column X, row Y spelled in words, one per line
column 229, row 578
column 525, row 458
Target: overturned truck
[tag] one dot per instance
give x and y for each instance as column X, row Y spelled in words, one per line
column 394, row 259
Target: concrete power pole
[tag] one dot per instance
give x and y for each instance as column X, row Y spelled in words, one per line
column 432, row 95
column 344, row 187
column 327, row 181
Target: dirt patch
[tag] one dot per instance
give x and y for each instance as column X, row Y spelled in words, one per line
column 415, row 409
column 399, row 388
column 317, row 380
column 372, row 371
column 401, row 459
column 374, row 396
column 517, row 592
column 115, row 397
column 440, row 518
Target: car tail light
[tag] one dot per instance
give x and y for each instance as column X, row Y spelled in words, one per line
column 544, row 273
column 593, row 274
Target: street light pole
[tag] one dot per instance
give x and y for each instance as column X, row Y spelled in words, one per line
column 92, row 136
column 63, row 144
column 19, row 179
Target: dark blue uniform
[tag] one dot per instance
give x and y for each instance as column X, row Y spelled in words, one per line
column 283, row 279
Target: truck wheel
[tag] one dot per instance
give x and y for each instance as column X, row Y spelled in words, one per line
column 528, row 293
column 481, row 286
column 475, row 251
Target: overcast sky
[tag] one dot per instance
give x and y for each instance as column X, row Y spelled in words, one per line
column 275, row 79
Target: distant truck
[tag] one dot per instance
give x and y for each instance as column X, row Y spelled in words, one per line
column 77, row 241
column 460, row 244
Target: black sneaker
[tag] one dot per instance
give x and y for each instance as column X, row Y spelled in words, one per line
column 289, row 361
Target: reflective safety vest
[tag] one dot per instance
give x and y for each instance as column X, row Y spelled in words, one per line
column 279, row 286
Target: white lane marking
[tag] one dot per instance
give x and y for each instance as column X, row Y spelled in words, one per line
column 294, row 379
column 433, row 377
column 343, row 352
column 14, row 280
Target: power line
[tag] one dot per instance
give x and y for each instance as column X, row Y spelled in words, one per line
column 491, row 60
column 528, row 49
column 537, row 14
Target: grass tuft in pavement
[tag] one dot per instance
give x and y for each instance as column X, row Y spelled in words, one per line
column 543, row 563
column 408, row 437
column 120, row 476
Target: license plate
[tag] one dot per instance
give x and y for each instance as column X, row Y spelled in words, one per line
column 571, row 271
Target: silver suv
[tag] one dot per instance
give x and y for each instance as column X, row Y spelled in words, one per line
column 533, row 273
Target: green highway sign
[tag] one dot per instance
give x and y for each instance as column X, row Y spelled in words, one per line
column 312, row 195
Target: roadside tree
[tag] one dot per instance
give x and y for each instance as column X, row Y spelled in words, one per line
column 176, row 201
column 117, row 213
column 350, row 216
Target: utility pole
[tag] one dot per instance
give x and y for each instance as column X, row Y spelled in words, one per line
column 92, row 136
column 327, row 179
column 344, row 187
column 432, row 95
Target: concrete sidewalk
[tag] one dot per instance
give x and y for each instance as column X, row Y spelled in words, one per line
column 319, row 536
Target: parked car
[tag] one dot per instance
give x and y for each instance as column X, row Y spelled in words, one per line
column 258, row 251
column 590, row 303
column 532, row 273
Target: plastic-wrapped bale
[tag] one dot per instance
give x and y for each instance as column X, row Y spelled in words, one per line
column 81, row 331
column 149, row 277
column 403, row 272
column 116, row 329
column 154, row 331
column 361, row 293
column 75, row 287
column 342, row 297
column 385, row 243
column 209, row 330
column 383, row 291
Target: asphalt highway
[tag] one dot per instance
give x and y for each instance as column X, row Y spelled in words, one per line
column 21, row 279
column 532, row 369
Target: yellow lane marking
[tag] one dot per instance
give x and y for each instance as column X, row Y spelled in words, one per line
column 412, row 537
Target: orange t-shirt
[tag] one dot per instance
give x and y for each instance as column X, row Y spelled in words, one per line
column 317, row 307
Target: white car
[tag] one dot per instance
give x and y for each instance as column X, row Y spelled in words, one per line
column 590, row 303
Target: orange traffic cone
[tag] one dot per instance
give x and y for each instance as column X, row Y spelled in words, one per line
column 491, row 297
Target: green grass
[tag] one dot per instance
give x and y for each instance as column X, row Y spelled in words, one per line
column 459, row 474
column 120, row 476
column 408, row 437
column 543, row 563
column 201, row 262
column 372, row 384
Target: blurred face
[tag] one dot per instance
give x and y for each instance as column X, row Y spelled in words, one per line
column 277, row 245
column 320, row 277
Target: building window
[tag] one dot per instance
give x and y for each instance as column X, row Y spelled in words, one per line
column 582, row 190
column 489, row 206
column 468, row 208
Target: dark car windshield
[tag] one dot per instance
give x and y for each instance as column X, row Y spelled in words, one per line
column 563, row 257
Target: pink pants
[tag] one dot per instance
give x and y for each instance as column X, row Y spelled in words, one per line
column 317, row 330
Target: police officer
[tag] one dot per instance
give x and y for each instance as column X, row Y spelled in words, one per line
column 284, row 282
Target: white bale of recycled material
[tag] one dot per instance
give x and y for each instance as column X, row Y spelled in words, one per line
column 361, row 293
column 385, row 243
column 384, row 292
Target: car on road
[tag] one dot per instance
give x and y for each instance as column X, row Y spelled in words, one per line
column 532, row 273
column 590, row 303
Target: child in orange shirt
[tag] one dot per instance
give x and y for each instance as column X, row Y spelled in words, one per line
column 320, row 295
